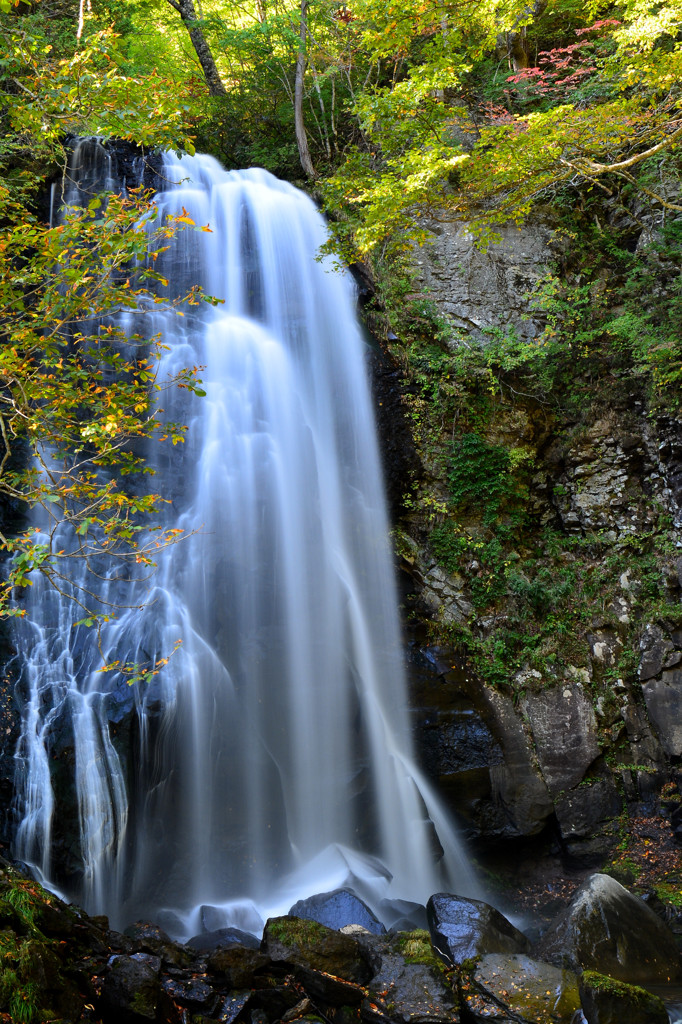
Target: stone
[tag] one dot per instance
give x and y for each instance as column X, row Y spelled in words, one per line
column 276, row 1000
column 565, row 733
column 131, row 993
column 663, row 699
column 655, row 650
column 412, row 993
column 583, row 815
column 150, row 937
column 607, row 929
column 606, row 1001
column 337, row 910
column 310, row 944
column 328, row 987
column 205, row 942
column 238, row 965
column 233, row 1006
column 190, row 991
column 485, row 291
column 518, row 790
column 512, row 987
column 463, row 928
column 403, row 915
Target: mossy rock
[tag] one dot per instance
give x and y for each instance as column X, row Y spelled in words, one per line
column 309, row 944
column 532, row 990
column 608, row 930
column 415, row 947
column 608, row 1001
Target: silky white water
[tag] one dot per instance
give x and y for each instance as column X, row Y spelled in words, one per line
column 271, row 758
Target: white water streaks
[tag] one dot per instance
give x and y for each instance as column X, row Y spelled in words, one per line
column 271, row 758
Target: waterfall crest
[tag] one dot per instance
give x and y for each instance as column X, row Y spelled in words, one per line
column 271, row 757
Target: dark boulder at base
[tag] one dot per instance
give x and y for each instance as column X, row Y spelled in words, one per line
column 515, row 988
column 310, row 944
column 222, row 938
column 462, row 929
column 607, row 1001
column 409, row 985
column 607, row 929
column 148, row 937
column 338, row 909
column 237, row 965
column 132, row 992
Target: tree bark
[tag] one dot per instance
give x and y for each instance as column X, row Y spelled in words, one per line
column 185, row 9
column 301, row 137
column 514, row 43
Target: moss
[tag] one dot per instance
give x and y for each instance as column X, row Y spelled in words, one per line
column 20, row 990
column 297, row 931
column 637, row 997
column 416, row 948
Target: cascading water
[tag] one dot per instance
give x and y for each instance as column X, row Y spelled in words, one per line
column 271, row 757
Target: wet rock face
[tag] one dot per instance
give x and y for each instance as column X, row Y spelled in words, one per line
column 529, row 989
column 406, row 990
column 663, row 699
column 312, row 945
column 606, row 1001
column 607, row 929
column 471, row 739
column 583, row 812
column 398, row 456
column 338, row 909
column 490, row 290
column 598, row 481
column 565, row 730
column 462, row 929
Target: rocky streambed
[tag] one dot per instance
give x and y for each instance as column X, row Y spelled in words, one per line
column 333, row 962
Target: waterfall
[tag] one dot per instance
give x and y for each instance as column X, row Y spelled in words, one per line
column 271, row 757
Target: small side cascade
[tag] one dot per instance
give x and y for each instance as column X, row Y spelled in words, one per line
column 271, row 757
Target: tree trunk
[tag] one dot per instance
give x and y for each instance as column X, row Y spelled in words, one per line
column 185, row 9
column 514, row 43
column 301, row 137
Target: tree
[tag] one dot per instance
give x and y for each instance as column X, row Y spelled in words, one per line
column 185, row 9
column 76, row 394
column 447, row 133
column 216, row 87
column 301, row 137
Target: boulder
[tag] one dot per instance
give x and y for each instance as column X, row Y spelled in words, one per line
column 506, row 988
column 222, row 938
column 607, row 929
column 191, row 991
column 584, row 815
column 462, row 929
column 238, row 965
column 409, row 985
column 232, row 1006
column 328, row 988
column 337, row 910
column 150, row 938
column 310, row 944
column 606, row 1001
column 131, row 993
column 565, row 730
column 403, row 915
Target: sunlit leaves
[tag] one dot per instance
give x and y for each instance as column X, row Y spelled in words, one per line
column 78, row 394
column 592, row 106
